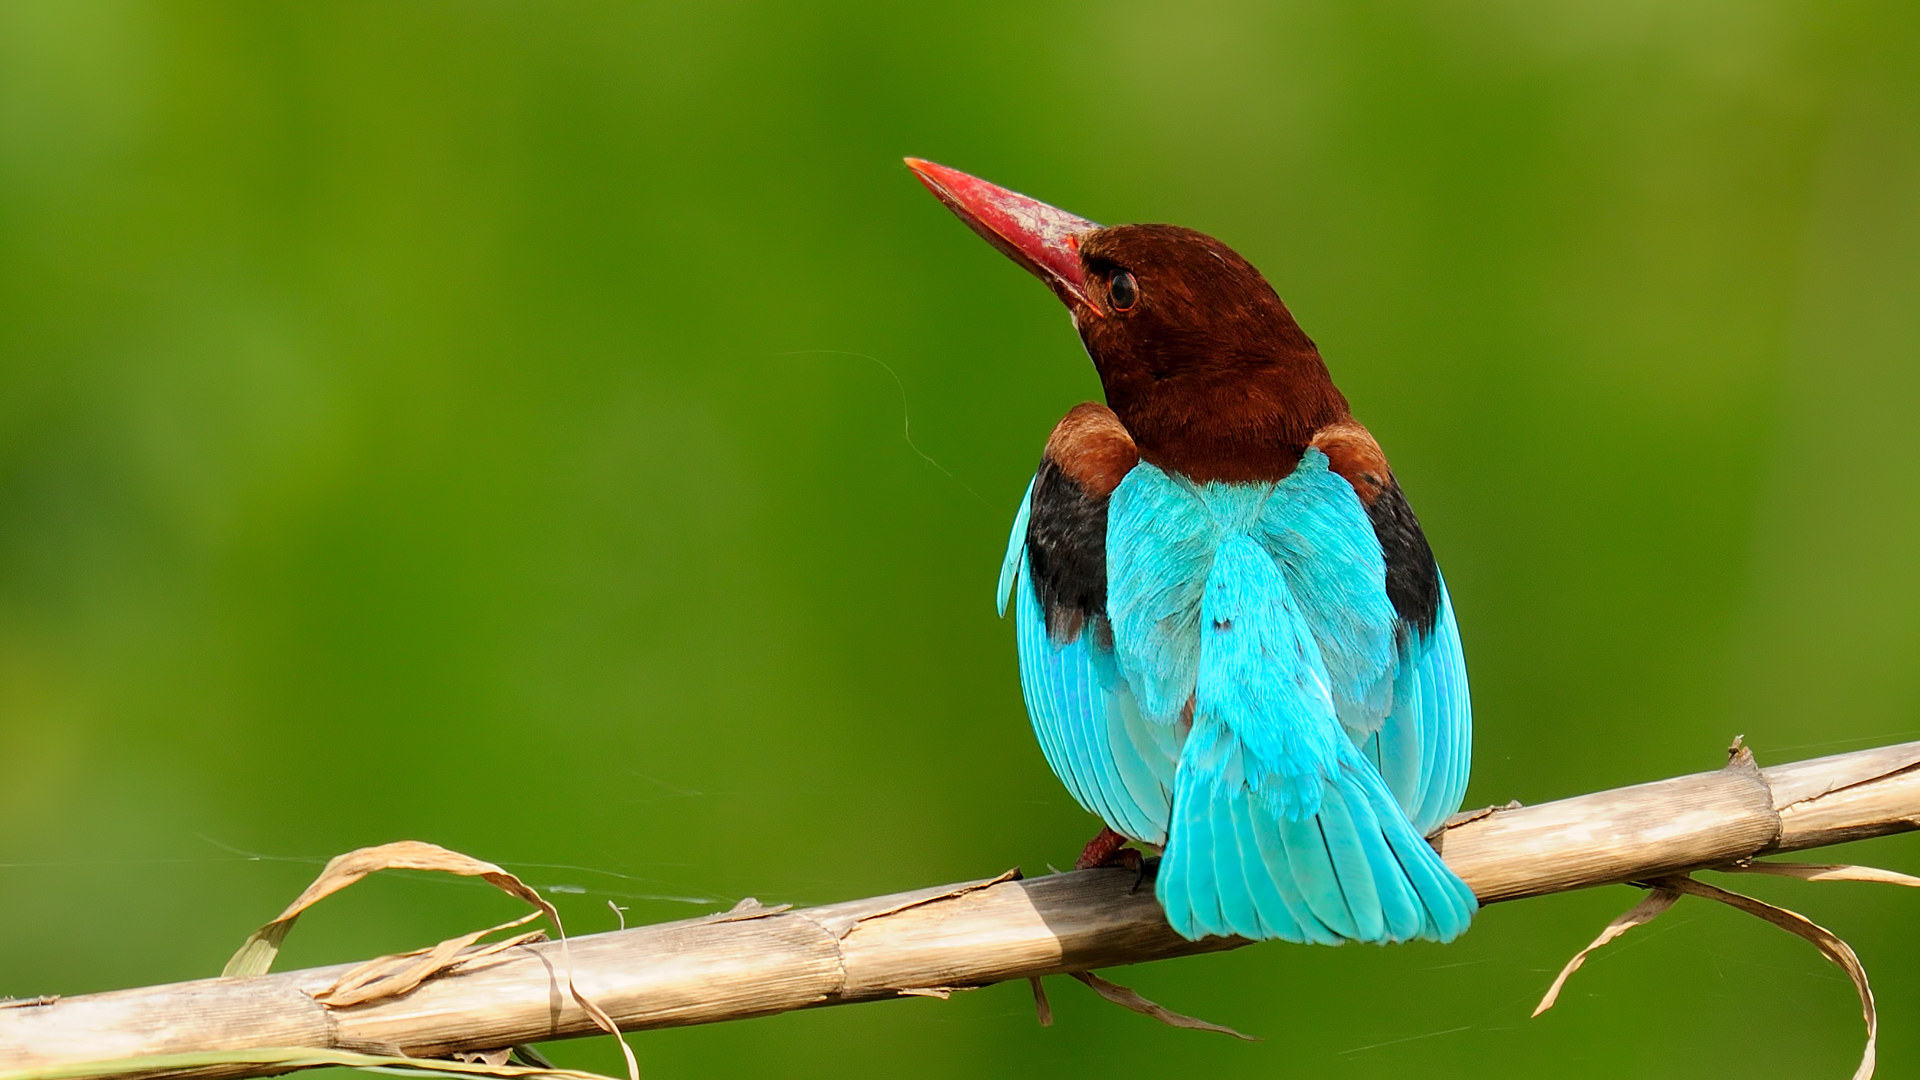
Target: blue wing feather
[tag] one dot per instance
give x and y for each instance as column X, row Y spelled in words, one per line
column 1109, row 757
column 1447, row 720
column 1046, row 698
column 1423, row 747
column 1016, row 549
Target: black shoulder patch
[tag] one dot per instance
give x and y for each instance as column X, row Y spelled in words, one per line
column 1067, row 552
column 1413, row 578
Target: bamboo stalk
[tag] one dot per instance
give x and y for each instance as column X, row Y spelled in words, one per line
column 758, row 962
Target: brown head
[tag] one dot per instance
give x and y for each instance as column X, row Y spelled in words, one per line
column 1200, row 359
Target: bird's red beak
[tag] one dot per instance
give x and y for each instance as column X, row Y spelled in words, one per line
column 1042, row 238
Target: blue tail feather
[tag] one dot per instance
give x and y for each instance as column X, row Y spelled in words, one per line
column 1347, row 846
column 1239, row 909
column 1445, row 903
column 1271, row 909
column 1243, row 916
column 1273, row 862
column 1315, row 873
column 1400, row 908
column 1197, row 896
column 1354, row 871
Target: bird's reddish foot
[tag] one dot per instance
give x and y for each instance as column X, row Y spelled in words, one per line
column 1109, row 849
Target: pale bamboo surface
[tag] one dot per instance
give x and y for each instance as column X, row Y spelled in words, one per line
column 753, row 963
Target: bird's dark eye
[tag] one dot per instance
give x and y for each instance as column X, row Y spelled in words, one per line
column 1122, row 291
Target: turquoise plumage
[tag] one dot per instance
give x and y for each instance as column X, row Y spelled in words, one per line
column 1264, row 605
column 1235, row 643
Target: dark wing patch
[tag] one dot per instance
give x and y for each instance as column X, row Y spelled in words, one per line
column 1086, row 458
column 1413, row 578
column 1067, row 551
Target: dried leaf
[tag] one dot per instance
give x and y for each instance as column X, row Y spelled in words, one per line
column 485, row 1057
column 1648, row 909
column 1042, row 1008
column 256, row 955
column 941, row 992
column 1122, row 996
column 470, row 960
column 1823, row 872
column 391, row 976
column 1822, row 938
column 258, row 952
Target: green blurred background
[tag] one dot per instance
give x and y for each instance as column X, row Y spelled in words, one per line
column 483, row 423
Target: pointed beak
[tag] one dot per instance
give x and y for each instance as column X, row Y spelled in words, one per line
column 1042, row 238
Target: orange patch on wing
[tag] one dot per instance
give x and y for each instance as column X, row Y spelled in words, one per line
column 1091, row 446
column 1352, row 452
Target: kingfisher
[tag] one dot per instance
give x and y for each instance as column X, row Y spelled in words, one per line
column 1235, row 645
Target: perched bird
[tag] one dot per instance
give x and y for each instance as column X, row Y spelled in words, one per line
column 1235, row 644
